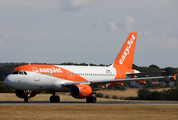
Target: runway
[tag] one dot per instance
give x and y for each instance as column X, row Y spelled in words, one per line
column 46, row 103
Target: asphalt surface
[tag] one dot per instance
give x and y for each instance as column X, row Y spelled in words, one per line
column 46, row 103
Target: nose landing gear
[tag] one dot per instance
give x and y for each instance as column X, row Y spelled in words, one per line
column 27, row 96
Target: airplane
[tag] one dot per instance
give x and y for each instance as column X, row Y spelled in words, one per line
column 81, row 81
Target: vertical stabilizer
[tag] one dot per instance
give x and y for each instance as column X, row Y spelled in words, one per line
column 126, row 55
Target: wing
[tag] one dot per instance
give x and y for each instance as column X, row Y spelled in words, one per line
column 68, row 84
column 145, row 73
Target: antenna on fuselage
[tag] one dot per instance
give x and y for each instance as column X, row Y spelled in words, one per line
column 29, row 63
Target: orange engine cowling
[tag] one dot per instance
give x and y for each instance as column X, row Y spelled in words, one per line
column 22, row 93
column 81, row 91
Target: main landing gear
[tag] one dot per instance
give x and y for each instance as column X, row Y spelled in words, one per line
column 91, row 99
column 27, row 96
column 54, row 98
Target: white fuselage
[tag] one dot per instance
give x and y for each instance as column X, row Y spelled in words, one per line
column 42, row 81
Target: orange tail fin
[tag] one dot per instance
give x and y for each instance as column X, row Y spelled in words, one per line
column 126, row 55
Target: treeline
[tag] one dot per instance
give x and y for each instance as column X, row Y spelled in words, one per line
column 167, row 71
column 5, row 89
column 170, row 94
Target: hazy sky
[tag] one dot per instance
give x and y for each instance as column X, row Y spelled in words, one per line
column 90, row 31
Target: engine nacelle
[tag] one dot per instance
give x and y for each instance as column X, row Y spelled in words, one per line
column 22, row 93
column 81, row 91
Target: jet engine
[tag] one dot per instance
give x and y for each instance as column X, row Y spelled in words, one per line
column 81, row 91
column 22, row 93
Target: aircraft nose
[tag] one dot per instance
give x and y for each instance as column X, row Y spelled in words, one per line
column 8, row 81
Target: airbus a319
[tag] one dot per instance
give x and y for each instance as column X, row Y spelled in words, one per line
column 81, row 81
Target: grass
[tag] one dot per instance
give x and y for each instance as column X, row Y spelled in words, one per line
column 89, row 112
column 45, row 97
column 130, row 92
column 67, row 97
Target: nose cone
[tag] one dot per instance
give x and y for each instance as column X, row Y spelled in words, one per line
column 8, row 81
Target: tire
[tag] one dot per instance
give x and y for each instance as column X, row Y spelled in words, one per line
column 57, row 99
column 52, row 98
column 88, row 100
column 25, row 100
column 28, row 100
column 93, row 99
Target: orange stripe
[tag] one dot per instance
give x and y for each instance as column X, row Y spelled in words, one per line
column 52, row 71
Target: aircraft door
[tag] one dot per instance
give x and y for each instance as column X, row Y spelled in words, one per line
column 70, row 75
column 36, row 74
column 36, row 77
column 37, row 82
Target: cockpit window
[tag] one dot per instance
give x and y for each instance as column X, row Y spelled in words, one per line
column 15, row 72
column 19, row 72
column 25, row 73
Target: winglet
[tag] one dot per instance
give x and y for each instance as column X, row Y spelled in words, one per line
column 174, row 76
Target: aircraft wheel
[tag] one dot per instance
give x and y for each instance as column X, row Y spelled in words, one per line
column 52, row 98
column 93, row 99
column 57, row 99
column 27, row 100
column 88, row 100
